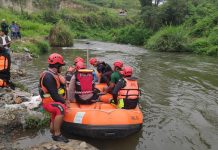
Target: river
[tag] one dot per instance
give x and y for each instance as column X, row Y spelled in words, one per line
column 179, row 98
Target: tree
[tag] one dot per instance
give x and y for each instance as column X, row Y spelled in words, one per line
column 146, row 3
column 21, row 3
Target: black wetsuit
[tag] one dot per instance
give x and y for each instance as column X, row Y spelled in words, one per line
column 106, row 72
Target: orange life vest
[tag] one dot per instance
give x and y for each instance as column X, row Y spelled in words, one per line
column 130, row 91
column 60, row 80
column 3, row 83
column 5, row 63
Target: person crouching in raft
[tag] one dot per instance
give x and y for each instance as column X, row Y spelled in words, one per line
column 53, row 93
column 115, row 77
column 82, row 85
column 104, row 70
column 72, row 69
column 126, row 90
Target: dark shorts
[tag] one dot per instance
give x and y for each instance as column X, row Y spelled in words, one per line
column 55, row 109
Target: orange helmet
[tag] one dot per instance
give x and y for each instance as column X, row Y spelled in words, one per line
column 80, row 65
column 78, row 59
column 92, row 61
column 56, row 58
column 127, row 71
column 118, row 64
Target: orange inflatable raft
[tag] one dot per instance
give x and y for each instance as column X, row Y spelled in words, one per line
column 101, row 119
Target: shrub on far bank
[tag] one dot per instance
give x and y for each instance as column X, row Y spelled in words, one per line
column 60, row 36
column 169, row 39
column 43, row 46
column 133, row 34
column 199, row 46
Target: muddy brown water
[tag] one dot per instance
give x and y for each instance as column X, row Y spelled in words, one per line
column 179, row 98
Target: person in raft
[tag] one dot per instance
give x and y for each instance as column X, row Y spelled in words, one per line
column 53, row 93
column 104, row 70
column 126, row 91
column 115, row 77
column 82, row 86
column 72, row 69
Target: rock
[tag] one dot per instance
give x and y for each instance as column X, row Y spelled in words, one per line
column 71, row 145
column 18, row 100
column 21, row 72
column 6, row 98
column 55, row 147
column 26, row 50
column 47, row 146
column 83, row 145
column 2, row 147
column 7, row 89
column 28, row 57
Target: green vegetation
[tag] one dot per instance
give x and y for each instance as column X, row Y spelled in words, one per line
column 33, row 122
column 168, row 39
column 60, row 36
column 182, row 26
column 131, row 35
column 175, row 26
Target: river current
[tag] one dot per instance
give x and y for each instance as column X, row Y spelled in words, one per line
column 179, row 97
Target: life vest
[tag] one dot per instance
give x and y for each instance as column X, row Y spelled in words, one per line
column 5, row 64
column 130, row 91
column 84, row 82
column 3, row 83
column 60, row 84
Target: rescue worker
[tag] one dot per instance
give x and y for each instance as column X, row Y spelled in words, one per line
column 126, row 90
column 53, row 94
column 81, row 87
column 4, row 26
column 5, row 61
column 104, row 70
column 5, row 65
column 115, row 77
column 71, row 69
column 5, row 42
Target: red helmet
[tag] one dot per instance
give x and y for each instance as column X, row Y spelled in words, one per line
column 78, row 59
column 80, row 65
column 118, row 64
column 92, row 61
column 56, row 58
column 127, row 71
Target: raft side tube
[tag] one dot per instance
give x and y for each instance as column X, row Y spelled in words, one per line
column 103, row 132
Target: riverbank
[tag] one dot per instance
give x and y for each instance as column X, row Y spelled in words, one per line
column 20, row 111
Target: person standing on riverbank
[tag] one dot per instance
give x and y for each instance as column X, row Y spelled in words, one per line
column 5, row 42
column 4, row 26
column 53, row 93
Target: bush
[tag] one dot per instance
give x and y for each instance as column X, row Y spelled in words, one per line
column 135, row 35
column 212, row 51
column 169, row 39
column 35, row 122
column 50, row 16
column 203, row 27
column 213, row 38
column 60, row 36
column 200, row 46
column 43, row 46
